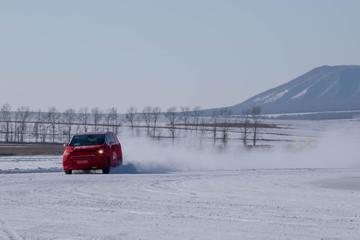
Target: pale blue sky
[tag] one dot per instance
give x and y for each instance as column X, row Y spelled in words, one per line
column 166, row 53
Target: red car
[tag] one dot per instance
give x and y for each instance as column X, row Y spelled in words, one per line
column 92, row 151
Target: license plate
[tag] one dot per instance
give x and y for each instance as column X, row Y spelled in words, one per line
column 82, row 161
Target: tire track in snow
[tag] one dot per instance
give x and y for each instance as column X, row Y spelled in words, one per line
column 6, row 233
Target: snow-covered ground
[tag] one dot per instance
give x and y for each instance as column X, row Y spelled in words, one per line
column 244, row 204
column 193, row 189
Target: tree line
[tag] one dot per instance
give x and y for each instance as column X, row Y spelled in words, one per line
column 23, row 125
column 219, row 123
column 52, row 126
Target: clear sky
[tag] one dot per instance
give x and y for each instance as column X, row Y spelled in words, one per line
column 166, row 53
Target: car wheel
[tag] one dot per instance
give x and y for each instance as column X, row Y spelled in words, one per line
column 68, row 171
column 107, row 169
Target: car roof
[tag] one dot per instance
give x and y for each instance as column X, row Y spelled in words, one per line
column 93, row 133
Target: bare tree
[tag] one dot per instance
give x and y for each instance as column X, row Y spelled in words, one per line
column 185, row 114
column 36, row 127
column 225, row 123
column 6, row 118
column 108, row 117
column 53, row 117
column 195, row 115
column 155, row 113
column 23, row 115
column 130, row 116
column 112, row 119
column 97, row 115
column 69, row 117
column 203, row 128
column 214, row 123
column 41, row 128
column 146, row 115
column 255, row 115
column 245, row 126
column 84, row 117
column 116, row 121
column 16, row 132
column 171, row 115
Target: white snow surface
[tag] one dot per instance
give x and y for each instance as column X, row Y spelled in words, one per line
column 300, row 94
column 244, row 204
column 276, row 96
column 193, row 190
column 332, row 85
column 272, row 97
column 23, row 164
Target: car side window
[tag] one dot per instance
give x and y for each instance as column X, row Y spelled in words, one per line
column 108, row 140
column 112, row 138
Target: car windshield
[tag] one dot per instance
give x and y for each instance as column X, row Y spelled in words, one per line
column 87, row 140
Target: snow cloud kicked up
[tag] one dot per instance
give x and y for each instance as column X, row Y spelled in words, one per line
column 337, row 147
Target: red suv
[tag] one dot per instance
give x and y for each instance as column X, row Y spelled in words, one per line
column 92, row 151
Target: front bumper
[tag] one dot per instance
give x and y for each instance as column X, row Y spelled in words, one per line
column 84, row 162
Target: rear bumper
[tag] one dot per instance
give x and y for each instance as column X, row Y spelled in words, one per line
column 84, row 163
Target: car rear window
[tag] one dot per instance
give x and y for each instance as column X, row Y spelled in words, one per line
column 87, row 140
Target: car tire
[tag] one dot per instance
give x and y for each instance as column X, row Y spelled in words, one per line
column 107, row 169
column 68, row 171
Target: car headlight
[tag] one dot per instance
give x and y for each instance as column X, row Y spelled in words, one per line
column 66, row 153
column 101, row 151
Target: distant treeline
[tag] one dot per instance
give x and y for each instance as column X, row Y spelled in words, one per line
column 24, row 125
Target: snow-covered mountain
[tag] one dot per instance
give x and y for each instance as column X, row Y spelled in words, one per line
column 326, row 88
